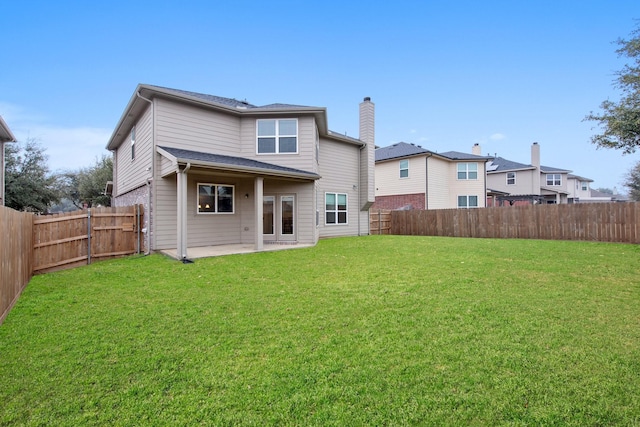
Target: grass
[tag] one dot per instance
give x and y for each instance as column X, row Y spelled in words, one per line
column 380, row 330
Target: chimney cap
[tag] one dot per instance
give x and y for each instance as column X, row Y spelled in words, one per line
column 367, row 98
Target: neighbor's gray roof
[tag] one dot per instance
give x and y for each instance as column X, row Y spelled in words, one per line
column 5, row 133
column 500, row 165
column 235, row 163
column 403, row 149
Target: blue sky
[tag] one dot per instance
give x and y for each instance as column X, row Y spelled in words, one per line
column 443, row 74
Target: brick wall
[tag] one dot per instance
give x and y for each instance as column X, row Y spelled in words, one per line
column 139, row 196
column 400, row 201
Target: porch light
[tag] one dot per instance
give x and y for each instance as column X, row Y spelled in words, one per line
column 246, row 196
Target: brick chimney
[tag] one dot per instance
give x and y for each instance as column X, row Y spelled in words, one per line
column 535, row 162
column 476, row 149
column 367, row 154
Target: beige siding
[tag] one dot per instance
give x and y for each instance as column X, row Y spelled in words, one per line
column 133, row 173
column 165, row 214
column 523, row 185
column 191, row 128
column 439, row 179
column 304, row 159
column 339, row 171
column 388, row 181
column 471, row 187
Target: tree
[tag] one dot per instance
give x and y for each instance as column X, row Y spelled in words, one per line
column 29, row 186
column 632, row 182
column 605, row 190
column 85, row 187
column 620, row 120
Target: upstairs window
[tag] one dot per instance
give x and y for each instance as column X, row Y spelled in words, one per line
column 467, row 201
column 133, row 143
column 277, row 136
column 554, row 179
column 585, row 185
column 404, row 168
column 215, row 198
column 467, row 171
column 335, row 208
column 511, row 178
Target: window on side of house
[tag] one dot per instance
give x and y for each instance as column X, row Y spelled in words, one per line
column 467, row 171
column 511, row 178
column 277, row 136
column 133, row 143
column 404, row 168
column 554, row 179
column 215, row 198
column 585, row 186
column 467, row 201
column 335, row 208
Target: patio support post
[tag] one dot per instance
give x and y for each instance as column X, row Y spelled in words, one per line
column 259, row 194
column 182, row 213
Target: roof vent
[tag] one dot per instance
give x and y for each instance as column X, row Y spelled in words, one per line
column 367, row 98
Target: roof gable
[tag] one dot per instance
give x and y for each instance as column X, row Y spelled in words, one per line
column 399, row 149
column 144, row 93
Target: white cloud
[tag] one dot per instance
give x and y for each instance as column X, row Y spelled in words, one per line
column 497, row 137
column 68, row 148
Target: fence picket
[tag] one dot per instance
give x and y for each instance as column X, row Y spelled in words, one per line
column 605, row 222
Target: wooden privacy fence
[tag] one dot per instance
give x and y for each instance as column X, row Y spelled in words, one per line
column 76, row 238
column 16, row 256
column 604, row 222
column 380, row 222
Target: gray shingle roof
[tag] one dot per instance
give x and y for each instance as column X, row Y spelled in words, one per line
column 403, row 149
column 231, row 102
column 399, row 149
column 239, row 162
column 502, row 164
column 457, row 155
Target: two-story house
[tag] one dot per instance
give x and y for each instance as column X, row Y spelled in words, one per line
column 578, row 188
column 215, row 171
column 408, row 176
column 5, row 136
column 521, row 183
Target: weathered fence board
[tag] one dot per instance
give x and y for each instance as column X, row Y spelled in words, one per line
column 71, row 239
column 605, row 222
column 16, row 256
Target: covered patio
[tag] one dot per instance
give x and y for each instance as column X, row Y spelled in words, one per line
column 221, row 250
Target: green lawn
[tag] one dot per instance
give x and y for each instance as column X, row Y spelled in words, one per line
column 378, row 330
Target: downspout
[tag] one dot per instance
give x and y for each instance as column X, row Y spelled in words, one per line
column 362, row 147
column 426, row 181
column 153, row 171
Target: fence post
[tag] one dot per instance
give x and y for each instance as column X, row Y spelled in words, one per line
column 379, row 222
column 138, row 229
column 88, row 236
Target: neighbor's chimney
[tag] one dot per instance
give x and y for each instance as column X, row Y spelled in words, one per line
column 535, row 162
column 367, row 154
column 476, row 149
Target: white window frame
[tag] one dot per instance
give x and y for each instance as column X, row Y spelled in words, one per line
column 467, row 200
column 404, row 169
column 336, row 211
column 466, row 171
column 276, row 136
column 133, row 143
column 216, row 199
column 512, row 178
column 552, row 178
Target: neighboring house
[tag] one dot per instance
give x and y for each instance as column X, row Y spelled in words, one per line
column 411, row 177
column 525, row 184
column 5, row 136
column 578, row 188
column 216, row 171
column 596, row 196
